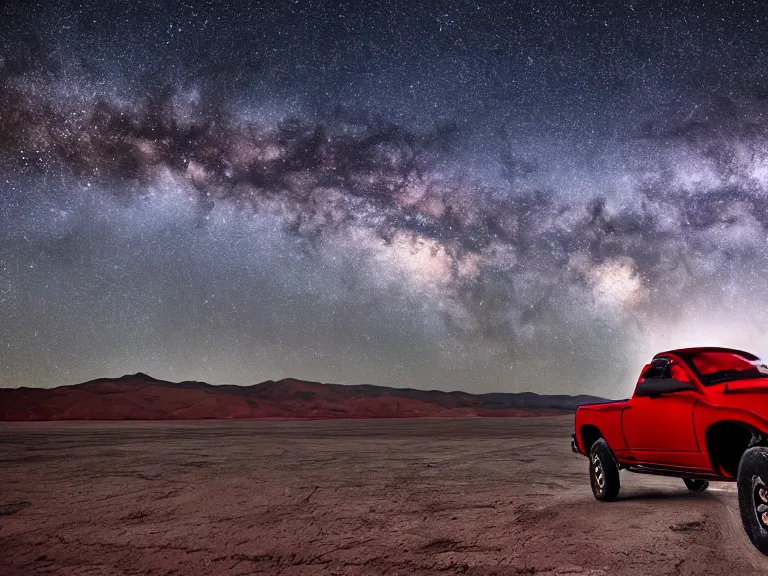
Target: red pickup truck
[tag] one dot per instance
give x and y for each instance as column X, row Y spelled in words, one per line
column 698, row 414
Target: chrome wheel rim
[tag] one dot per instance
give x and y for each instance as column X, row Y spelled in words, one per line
column 760, row 493
column 597, row 472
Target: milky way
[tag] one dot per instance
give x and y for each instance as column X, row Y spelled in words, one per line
column 457, row 197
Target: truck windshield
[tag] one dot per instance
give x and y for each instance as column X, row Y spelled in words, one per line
column 718, row 367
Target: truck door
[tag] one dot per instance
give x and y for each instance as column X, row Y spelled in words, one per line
column 658, row 420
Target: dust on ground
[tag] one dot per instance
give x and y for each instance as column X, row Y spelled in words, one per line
column 421, row 496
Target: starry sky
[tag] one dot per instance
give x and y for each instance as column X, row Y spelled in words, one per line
column 483, row 196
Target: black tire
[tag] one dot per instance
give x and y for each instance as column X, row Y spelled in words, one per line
column 603, row 472
column 752, row 482
column 696, row 485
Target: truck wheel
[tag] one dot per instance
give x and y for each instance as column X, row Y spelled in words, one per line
column 696, row 485
column 603, row 472
column 753, row 495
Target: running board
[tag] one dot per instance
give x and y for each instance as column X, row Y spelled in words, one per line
column 678, row 473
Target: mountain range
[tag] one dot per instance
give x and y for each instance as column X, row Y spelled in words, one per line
column 141, row 397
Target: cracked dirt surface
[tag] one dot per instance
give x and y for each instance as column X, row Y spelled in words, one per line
column 426, row 496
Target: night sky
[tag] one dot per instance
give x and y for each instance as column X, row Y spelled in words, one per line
column 477, row 196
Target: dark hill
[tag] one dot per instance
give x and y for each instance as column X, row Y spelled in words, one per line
column 141, row 397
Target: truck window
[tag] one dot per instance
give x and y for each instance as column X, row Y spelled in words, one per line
column 659, row 369
column 661, row 377
column 715, row 367
column 664, row 368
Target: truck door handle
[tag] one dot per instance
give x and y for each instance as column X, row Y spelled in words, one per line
column 627, row 407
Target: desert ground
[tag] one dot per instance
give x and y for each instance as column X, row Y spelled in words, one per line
column 413, row 496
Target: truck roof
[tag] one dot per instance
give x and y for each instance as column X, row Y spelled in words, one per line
column 700, row 349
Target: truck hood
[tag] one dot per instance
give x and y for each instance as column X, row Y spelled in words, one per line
column 757, row 386
column 750, row 395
